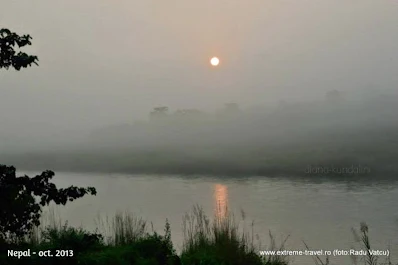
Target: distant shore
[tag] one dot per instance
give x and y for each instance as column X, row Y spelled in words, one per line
column 98, row 164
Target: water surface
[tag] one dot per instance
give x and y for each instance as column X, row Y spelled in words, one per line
column 321, row 213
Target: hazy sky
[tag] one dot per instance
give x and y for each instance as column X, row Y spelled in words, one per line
column 107, row 62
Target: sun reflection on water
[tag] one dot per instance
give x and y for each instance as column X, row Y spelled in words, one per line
column 221, row 200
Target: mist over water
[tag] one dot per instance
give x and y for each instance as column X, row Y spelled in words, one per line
column 291, row 138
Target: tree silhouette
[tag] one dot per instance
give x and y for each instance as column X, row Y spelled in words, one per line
column 188, row 112
column 159, row 112
column 19, row 209
column 9, row 57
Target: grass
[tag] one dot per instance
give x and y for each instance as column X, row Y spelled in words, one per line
column 125, row 240
column 220, row 241
column 124, row 228
column 362, row 236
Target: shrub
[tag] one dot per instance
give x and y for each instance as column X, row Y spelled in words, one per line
column 19, row 210
column 75, row 239
column 218, row 243
column 147, row 250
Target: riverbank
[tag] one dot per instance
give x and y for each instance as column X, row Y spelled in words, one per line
column 130, row 240
column 328, row 162
column 221, row 241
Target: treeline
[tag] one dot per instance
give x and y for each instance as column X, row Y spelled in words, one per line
column 285, row 139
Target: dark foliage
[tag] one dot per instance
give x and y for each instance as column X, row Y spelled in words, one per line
column 89, row 249
column 9, row 56
column 19, row 209
column 71, row 238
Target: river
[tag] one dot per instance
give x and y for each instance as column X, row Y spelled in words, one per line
column 320, row 213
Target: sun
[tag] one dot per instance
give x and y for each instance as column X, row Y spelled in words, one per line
column 214, row 61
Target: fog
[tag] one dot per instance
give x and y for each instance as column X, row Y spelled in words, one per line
column 105, row 65
column 284, row 139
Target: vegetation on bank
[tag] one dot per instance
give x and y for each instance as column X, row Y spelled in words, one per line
column 22, row 199
column 206, row 242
